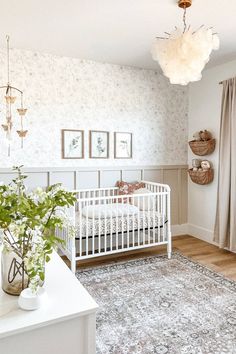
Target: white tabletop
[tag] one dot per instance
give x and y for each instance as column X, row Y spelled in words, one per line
column 67, row 298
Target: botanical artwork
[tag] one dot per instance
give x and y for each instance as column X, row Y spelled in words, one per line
column 72, row 144
column 123, row 145
column 99, row 144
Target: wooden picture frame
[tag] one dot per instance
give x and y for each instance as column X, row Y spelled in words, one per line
column 72, row 144
column 123, row 145
column 99, row 144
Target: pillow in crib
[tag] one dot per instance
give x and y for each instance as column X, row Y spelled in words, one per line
column 109, row 210
column 142, row 203
column 128, row 188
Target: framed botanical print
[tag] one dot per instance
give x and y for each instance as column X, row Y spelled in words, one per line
column 72, row 144
column 123, row 145
column 98, row 144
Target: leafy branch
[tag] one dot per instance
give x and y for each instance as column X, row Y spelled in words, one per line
column 28, row 221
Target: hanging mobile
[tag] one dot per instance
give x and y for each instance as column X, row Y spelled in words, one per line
column 10, row 100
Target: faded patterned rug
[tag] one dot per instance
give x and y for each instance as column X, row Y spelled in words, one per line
column 156, row 305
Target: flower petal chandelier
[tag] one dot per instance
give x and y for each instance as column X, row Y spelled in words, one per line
column 183, row 54
column 9, row 101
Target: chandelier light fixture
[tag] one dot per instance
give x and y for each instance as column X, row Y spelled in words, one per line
column 10, row 98
column 183, row 54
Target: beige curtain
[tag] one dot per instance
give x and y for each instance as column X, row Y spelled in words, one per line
column 225, row 225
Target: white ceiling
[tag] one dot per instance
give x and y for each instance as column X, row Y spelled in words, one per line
column 114, row 31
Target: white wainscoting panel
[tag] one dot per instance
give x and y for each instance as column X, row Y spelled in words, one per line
column 66, row 178
column 153, row 175
column 109, row 178
column 132, row 175
column 79, row 178
column 87, row 179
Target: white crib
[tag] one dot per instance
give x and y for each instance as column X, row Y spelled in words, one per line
column 108, row 223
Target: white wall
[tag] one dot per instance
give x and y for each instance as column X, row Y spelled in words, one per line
column 66, row 93
column 204, row 113
column 71, row 93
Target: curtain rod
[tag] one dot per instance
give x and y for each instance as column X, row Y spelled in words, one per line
column 221, row 82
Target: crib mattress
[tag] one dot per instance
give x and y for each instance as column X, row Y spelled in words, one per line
column 143, row 220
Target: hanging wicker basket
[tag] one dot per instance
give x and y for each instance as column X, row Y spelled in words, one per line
column 202, row 148
column 201, row 177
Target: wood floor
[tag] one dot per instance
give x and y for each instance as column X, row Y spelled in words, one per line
column 219, row 260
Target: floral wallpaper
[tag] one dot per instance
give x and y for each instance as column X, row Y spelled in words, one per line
column 67, row 93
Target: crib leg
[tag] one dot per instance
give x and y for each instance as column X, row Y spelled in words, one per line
column 73, row 266
column 73, row 263
column 169, row 247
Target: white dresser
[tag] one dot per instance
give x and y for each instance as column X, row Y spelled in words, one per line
column 66, row 324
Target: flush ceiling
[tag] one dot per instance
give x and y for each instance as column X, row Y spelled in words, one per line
column 113, row 31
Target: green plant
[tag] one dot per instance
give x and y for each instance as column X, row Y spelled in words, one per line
column 28, row 222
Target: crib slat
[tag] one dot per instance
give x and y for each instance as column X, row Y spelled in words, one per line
column 159, row 218
column 105, row 230
column 148, row 208
column 111, row 229
column 154, row 218
column 93, row 228
column 127, row 227
column 87, row 224
column 99, row 224
column 138, row 220
column 117, row 235
column 80, row 230
column 133, row 224
column 122, row 224
column 144, row 232
column 164, row 213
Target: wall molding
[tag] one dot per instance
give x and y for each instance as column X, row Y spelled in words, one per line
column 96, row 168
column 179, row 230
column 93, row 177
column 201, row 233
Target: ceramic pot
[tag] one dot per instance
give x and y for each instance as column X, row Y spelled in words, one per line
column 32, row 301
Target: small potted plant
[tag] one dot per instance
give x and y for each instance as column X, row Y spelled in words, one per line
column 27, row 226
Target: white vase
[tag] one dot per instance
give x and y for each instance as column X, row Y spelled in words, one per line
column 32, row 301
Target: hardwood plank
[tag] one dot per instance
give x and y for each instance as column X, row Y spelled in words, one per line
column 219, row 260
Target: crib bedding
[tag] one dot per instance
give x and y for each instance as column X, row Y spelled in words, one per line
column 139, row 221
column 109, row 210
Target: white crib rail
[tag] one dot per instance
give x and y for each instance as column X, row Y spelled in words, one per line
column 109, row 233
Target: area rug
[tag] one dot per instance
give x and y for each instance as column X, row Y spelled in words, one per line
column 156, row 305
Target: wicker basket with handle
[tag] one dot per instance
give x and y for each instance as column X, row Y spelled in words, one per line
column 202, row 148
column 201, row 177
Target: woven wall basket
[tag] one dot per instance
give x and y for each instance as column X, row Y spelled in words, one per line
column 202, row 177
column 202, row 148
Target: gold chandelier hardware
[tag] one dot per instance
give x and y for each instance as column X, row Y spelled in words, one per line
column 184, row 3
